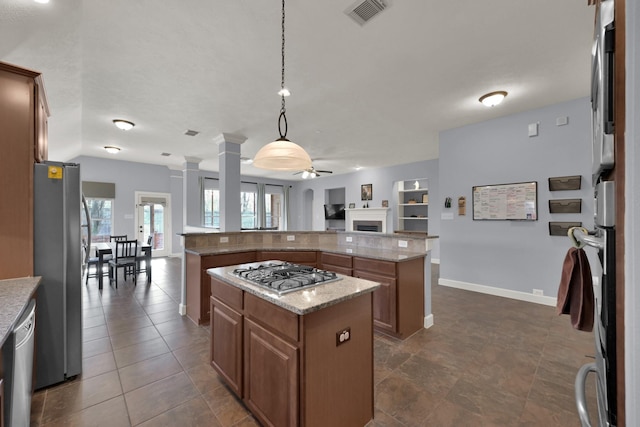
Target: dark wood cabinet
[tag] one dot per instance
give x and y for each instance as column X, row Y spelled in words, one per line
column 226, row 344
column 398, row 305
column 198, row 284
column 292, row 370
column 23, row 141
column 384, row 301
column 271, row 376
column 341, row 264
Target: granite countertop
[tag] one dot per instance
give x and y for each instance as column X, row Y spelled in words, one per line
column 373, row 253
column 303, row 301
column 14, row 297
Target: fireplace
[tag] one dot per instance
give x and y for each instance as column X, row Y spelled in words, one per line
column 367, row 219
column 375, row 226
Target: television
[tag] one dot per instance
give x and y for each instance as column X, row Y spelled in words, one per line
column 335, row 211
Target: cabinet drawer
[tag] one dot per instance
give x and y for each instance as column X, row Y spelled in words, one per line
column 281, row 320
column 301, row 257
column 340, row 270
column 223, row 260
column 386, row 268
column 336, row 259
column 228, row 294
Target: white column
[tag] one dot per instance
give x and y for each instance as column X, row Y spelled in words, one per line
column 229, row 166
column 191, row 192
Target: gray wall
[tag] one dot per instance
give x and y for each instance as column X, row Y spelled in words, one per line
column 382, row 180
column 130, row 177
column 514, row 255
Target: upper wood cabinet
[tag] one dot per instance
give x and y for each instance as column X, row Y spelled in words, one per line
column 23, row 141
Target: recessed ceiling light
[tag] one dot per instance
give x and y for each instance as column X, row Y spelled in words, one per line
column 246, row 160
column 111, row 149
column 123, row 124
column 493, row 98
column 42, row 1
column 284, row 92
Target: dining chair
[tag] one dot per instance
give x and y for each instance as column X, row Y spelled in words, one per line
column 124, row 257
column 90, row 261
column 118, row 238
column 142, row 259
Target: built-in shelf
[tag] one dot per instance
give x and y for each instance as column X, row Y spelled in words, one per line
column 413, row 206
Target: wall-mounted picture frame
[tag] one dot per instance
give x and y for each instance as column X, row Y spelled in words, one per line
column 385, row 203
column 366, row 192
column 352, row 205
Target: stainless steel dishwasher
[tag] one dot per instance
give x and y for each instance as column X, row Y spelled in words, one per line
column 20, row 411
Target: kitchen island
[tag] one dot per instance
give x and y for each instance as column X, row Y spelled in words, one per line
column 303, row 358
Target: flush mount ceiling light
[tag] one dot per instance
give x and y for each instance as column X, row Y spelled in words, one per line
column 493, row 98
column 282, row 154
column 123, row 124
column 111, row 149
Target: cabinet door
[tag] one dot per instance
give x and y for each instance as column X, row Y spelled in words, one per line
column 226, row 344
column 384, row 301
column 270, row 377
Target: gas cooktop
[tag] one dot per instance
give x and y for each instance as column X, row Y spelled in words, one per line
column 284, row 277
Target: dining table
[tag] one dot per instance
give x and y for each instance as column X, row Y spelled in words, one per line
column 107, row 248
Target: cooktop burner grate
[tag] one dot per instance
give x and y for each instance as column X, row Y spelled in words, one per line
column 284, row 277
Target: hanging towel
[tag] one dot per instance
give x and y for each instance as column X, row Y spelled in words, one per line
column 575, row 294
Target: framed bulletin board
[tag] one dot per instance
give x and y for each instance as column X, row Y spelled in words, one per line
column 514, row 202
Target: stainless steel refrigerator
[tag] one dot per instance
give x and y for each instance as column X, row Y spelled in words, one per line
column 58, row 259
column 603, row 236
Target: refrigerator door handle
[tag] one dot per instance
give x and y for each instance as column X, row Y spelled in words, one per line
column 578, row 234
column 581, row 399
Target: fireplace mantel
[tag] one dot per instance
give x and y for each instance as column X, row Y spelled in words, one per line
column 366, row 214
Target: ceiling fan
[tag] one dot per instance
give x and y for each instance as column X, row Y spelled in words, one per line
column 311, row 172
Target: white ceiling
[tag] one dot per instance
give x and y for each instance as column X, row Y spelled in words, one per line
column 370, row 96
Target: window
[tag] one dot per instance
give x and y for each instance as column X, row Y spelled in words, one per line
column 273, row 210
column 248, row 211
column 211, row 208
column 101, row 213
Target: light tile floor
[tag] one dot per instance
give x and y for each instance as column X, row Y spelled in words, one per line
column 487, row 361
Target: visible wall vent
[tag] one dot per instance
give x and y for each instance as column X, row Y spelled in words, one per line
column 363, row 11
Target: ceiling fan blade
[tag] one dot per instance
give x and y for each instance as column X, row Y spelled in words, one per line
column 321, row 171
column 297, row 173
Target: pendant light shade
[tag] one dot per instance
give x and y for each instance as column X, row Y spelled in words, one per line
column 282, row 154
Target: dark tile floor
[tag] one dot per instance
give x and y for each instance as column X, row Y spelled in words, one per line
column 488, row 361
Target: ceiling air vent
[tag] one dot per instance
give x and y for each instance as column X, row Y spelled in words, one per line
column 363, row 11
column 165, row 154
column 191, row 132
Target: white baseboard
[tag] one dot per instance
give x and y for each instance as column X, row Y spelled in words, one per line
column 435, row 260
column 428, row 321
column 182, row 309
column 500, row 292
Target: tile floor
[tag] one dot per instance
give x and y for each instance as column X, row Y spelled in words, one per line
column 488, row 361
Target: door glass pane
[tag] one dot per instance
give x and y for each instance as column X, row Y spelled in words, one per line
column 153, row 225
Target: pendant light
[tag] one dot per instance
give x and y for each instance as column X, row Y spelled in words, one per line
column 282, row 154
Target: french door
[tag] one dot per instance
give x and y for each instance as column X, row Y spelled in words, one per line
column 153, row 221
